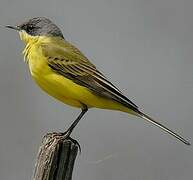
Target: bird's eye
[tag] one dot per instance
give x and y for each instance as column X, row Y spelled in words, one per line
column 29, row 28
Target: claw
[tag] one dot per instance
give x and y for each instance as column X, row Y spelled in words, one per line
column 76, row 143
column 66, row 135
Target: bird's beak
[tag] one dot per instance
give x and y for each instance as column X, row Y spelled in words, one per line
column 13, row 27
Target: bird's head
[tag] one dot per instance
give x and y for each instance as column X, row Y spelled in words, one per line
column 36, row 27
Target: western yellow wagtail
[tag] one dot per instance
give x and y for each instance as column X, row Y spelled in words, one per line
column 62, row 71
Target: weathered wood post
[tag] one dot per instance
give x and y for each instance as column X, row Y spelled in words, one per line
column 56, row 157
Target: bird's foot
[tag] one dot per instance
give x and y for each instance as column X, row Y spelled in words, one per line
column 63, row 136
column 66, row 135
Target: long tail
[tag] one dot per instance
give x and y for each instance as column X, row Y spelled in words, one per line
column 149, row 119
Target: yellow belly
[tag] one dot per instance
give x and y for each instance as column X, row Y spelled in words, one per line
column 54, row 84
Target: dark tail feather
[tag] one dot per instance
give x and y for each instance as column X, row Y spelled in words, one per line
column 149, row 119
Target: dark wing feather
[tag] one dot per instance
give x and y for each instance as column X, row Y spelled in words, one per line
column 71, row 63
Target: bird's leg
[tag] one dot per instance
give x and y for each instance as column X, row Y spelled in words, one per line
column 67, row 133
column 73, row 125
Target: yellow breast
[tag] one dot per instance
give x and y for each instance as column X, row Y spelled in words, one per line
column 54, row 84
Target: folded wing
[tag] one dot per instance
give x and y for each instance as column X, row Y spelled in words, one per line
column 69, row 62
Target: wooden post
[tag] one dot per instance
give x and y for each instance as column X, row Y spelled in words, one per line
column 56, row 158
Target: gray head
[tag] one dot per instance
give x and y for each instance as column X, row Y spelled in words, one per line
column 39, row 26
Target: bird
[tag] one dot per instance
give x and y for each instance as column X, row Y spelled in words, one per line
column 65, row 73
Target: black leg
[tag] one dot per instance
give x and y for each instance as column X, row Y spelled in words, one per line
column 70, row 129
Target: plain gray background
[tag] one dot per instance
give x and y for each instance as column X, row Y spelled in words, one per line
column 145, row 47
